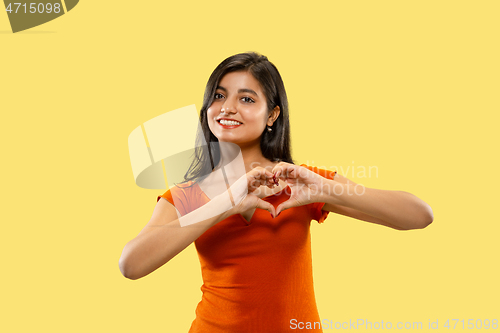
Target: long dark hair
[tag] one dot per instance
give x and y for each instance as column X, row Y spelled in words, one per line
column 274, row 145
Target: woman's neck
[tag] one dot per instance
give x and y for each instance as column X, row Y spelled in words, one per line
column 252, row 155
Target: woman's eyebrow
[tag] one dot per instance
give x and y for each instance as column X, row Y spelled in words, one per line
column 250, row 91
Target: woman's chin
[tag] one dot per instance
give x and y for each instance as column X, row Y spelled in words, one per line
column 239, row 141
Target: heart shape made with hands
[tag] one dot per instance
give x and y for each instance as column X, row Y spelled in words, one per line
column 305, row 185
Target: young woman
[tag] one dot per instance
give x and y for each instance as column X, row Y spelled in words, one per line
column 255, row 253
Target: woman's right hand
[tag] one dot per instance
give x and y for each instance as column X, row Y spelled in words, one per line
column 255, row 178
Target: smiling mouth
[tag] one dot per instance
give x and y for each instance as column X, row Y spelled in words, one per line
column 228, row 123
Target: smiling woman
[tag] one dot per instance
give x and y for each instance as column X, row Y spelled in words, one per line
column 255, row 252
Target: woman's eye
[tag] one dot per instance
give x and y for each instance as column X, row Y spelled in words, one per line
column 248, row 100
column 218, row 96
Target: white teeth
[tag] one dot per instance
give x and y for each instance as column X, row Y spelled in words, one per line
column 229, row 122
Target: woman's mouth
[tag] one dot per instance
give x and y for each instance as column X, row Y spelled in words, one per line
column 228, row 123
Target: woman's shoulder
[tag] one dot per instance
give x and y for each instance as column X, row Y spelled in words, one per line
column 181, row 191
column 185, row 185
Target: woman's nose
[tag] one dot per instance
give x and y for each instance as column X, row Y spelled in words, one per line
column 227, row 107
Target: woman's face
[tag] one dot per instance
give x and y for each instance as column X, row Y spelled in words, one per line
column 239, row 97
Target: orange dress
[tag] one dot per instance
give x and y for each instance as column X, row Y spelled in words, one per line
column 257, row 276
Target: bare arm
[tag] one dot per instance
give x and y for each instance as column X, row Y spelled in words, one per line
column 396, row 209
column 160, row 240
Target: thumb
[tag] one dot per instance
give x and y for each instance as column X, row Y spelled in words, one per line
column 266, row 206
column 284, row 205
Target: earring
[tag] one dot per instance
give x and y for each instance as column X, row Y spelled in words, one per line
column 269, row 129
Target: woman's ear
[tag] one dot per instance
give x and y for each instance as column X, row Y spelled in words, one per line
column 273, row 116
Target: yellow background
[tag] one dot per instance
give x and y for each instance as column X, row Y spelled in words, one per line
column 409, row 87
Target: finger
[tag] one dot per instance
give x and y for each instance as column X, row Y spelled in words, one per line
column 273, row 180
column 277, row 175
column 269, row 180
column 283, row 174
column 265, row 171
column 276, row 171
column 284, row 171
column 291, row 171
column 269, row 176
column 255, row 179
column 265, row 181
column 285, row 205
column 264, row 176
column 254, row 185
column 266, row 206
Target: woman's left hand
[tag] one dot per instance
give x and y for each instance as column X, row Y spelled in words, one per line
column 305, row 185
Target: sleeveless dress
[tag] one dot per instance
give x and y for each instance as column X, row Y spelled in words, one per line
column 257, row 275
